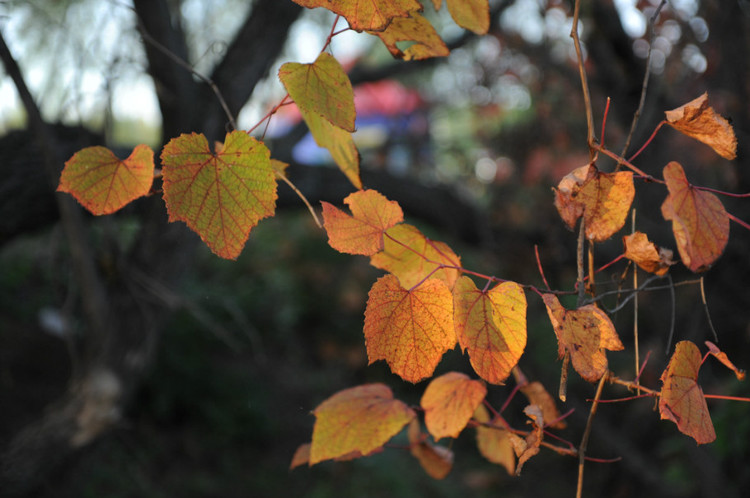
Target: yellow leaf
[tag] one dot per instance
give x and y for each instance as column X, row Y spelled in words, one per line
column 339, row 143
column 698, row 120
column 449, row 402
column 473, row 15
column 437, row 461
column 415, row 29
column 538, row 395
column 494, row 443
column 646, row 255
column 366, row 15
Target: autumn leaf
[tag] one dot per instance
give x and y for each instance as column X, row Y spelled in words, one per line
column 494, row 443
column 565, row 202
column 473, row 15
column 698, row 120
column 538, row 395
column 360, row 419
column 585, row 333
column 366, row 15
column 102, row 183
column 449, row 402
column 699, row 222
column 220, row 196
column 491, row 326
column 724, row 359
column 682, row 399
column 415, row 29
column 321, row 87
column 437, row 461
column 301, row 456
column 646, row 255
column 409, row 329
column 362, row 232
column 412, row 257
column 339, row 143
column 528, row 447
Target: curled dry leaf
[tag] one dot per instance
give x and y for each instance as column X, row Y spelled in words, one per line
column 682, row 399
column 585, row 333
column 699, row 222
column 449, row 402
column 409, row 329
column 360, row 419
column 426, row 42
column 362, row 232
column 528, row 447
column 698, row 120
column 494, row 442
column 723, row 358
column 646, row 255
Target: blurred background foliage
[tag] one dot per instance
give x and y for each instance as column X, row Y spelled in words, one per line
column 250, row 347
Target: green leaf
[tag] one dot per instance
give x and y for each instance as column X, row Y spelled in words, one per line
column 223, row 195
column 338, row 142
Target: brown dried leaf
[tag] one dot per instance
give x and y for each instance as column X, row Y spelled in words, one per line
column 538, row 395
column 698, row 120
column 646, row 255
column 722, row 357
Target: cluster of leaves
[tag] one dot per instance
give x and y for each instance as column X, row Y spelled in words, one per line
column 427, row 302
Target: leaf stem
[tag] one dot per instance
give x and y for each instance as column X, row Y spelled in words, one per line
column 301, row 196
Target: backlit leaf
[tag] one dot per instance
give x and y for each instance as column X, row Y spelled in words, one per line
column 412, row 257
column 409, row 329
column 301, row 456
column 646, row 255
column 415, row 29
column 102, row 183
column 449, row 402
column 698, row 120
column 491, row 326
column 724, row 359
column 538, row 395
column 494, row 443
column 682, row 399
column 437, row 461
column 321, row 87
column 567, row 191
column 339, row 143
column 360, row 419
column 220, row 196
column 362, row 232
column 366, row 15
column 585, row 333
column 473, row 15
column 699, row 222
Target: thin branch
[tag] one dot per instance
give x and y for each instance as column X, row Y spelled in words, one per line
column 584, row 81
column 708, row 314
column 587, row 433
column 674, row 307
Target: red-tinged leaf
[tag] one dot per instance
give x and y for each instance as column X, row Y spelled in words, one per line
column 538, row 395
column 699, row 222
column 494, row 443
column 412, row 257
column 646, row 255
column 528, row 447
column 102, row 183
column 417, row 29
column 362, row 232
column 724, row 359
column 322, row 88
column 449, row 402
column 339, row 143
column 566, row 192
column 491, row 326
column 366, row 15
column 585, row 333
column 682, row 399
column 437, row 461
column 698, row 120
column 221, row 196
column 473, row 15
column 409, row 329
column 360, row 419
column 301, row 456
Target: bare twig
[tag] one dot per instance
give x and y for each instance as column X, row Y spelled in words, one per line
column 584, row 81
column 708, row 314
column 587, row 433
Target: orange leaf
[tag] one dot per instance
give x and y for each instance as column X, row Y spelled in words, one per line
column 360, row 419
column 538, row 395
column 415, row 29
column 698, row 120
column 361, row 233
column 366, row 15
column 528, row 447
column 645, row 254
column 409, row 329
column 603, row 199
column 339, row 143
column 473, row 15
column 412, row 257
column 301, row 456
column 491, row 325
column 585, row 333
column 437, row 461
column 102, row 183
column 682, row 399
column 220, row 196
column 449, row 402
column 723, row 358
column 494, row 444
column 322, row 88
column 699, row 222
